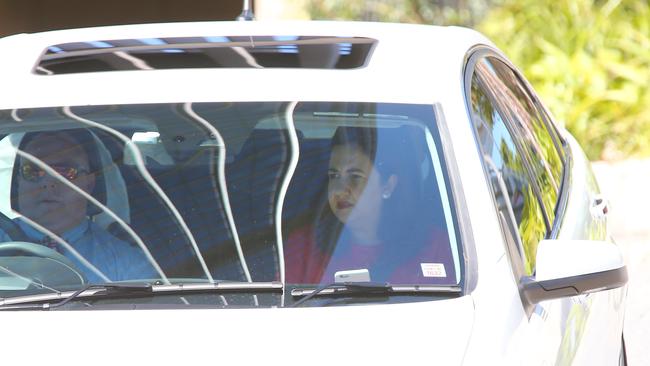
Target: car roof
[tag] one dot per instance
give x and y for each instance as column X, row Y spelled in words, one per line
column 409, row 64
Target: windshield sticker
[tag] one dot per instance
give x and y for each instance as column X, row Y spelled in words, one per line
column 433, row 270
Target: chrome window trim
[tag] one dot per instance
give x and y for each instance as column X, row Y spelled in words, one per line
column 515, row 132
column 513, row 246
column 465, row 237
column 561, row 146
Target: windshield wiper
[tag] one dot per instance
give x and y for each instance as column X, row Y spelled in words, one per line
column 134, row 288
column 105, row 289
column 220, row 286
column 369, row 288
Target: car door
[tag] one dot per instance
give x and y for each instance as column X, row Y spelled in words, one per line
column 525, row 162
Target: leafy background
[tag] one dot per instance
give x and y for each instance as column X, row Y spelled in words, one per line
column 589, row 60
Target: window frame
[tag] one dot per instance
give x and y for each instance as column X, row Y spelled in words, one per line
column 513, row 245
column 552, row 132
column 434, row 123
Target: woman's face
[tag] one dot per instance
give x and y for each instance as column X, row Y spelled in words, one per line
column 354, row 188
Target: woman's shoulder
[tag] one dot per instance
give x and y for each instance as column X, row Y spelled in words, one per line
column 301, row 232
column 303, row 259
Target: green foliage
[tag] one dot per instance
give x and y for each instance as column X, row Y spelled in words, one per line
column 441, row 12
column 590, row 62
column 588, row 59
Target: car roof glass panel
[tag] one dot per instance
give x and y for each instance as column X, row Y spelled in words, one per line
column 313, row 52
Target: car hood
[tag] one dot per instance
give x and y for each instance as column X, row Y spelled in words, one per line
column 433, row 332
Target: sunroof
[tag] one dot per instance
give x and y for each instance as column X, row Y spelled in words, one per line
column 322, row 52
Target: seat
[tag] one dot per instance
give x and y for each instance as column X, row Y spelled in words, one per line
column 254, row 180
column 193, row 191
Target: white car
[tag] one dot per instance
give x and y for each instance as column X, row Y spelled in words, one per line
column 292, row 193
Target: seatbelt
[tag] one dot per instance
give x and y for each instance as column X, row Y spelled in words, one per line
column 12, row 229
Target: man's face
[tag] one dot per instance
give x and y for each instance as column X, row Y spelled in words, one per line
column 45, row 198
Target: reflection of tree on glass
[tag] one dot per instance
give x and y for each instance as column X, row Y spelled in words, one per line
column 539, row 147
column 371, row 219
column 502, row 151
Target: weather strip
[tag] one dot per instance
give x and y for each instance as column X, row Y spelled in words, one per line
column 139, row 63
column 221, row 176
column 250, row 60
column 44, row 70
column 444, row 195
column 293, row 162
column 145, row 174
column 14, row 115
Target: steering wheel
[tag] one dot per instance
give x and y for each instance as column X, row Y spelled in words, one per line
column 37, row 250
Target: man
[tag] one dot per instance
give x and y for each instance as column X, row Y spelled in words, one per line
column 46, row 200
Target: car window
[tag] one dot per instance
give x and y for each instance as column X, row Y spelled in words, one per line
column 302, row 192
column 537, row 144
column 517, row 202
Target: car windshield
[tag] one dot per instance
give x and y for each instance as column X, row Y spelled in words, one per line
column 304, row 193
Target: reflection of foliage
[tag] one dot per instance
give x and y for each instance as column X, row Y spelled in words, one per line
column 525, row 205
column 515, row 102
column 500, row 148
column 531, row 228
column 549, row 152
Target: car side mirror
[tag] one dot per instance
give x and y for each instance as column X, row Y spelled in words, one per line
column 567, row 268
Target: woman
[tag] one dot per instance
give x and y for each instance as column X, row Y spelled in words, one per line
column 371, row 218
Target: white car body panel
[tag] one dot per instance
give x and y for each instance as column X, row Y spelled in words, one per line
column 488, row 326
column 153, row 86
column 381, row 334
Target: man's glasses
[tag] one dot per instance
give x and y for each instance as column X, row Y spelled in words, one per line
column 33, row 173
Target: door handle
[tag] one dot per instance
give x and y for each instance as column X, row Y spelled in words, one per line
column 599, row 207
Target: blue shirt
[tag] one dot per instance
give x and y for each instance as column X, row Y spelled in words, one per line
column 115, row 258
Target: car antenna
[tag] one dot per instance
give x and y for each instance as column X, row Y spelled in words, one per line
column 247, row 12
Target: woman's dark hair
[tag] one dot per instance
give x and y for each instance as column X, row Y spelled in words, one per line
column 86, row 141
column 367, row 139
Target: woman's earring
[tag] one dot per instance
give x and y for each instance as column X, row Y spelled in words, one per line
column 385, row 195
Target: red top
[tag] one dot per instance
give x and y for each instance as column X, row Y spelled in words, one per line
column 305, row 262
